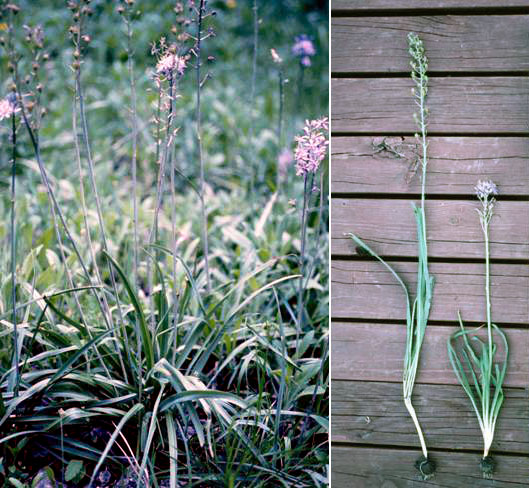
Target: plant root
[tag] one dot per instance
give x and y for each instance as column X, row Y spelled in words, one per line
column 426, row 467
column 487, row 465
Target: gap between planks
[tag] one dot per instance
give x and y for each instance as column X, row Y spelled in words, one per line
column 415, row 7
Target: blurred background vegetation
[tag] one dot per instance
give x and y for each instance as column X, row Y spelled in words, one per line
column 227, row 94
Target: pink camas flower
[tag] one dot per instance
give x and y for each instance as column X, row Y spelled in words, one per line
column 311, row 147
column 7, row 108
column 171, row 62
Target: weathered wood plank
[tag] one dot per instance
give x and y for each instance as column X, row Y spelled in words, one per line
column 453, row 43
column 360, row 467
column 386, row 165
column 466, row 105
column 375, row 352
column 366, row 290
column 374, row 413
column 360, row 5
column 454, row 230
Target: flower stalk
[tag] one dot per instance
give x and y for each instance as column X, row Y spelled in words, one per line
column 134, row 119
column 13, row 243
column 203, row 209
column 79, row 42
column 474, row 366
column 303, row 49
column 281, row 81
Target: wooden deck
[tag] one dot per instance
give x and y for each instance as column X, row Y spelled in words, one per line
column 479, row 129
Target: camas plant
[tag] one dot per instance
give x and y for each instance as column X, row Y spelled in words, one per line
column 311, row 149
column 474, row 360
column 417, row 313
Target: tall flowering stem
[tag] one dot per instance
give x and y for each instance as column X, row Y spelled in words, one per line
column 425, row 282
column 303, row 49
column 13, row 248
column 8, row 108
column 203, row 210
column 134, row 119
column 474, row 366
column 311, row 150
column 417, row 314
column 80, row 41
column 170, row 67
column 278, row 61
column 255, row 12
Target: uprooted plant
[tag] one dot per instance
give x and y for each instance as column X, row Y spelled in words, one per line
column 417, row 313
column 474, row 361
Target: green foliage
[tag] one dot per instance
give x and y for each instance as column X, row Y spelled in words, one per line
column 167, row 381
column 75, row 471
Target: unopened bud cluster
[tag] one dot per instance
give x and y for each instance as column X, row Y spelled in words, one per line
column 80, row 10
column 418, row 63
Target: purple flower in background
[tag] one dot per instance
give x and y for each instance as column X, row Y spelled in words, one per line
column 311, row 147
column 303, row 48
